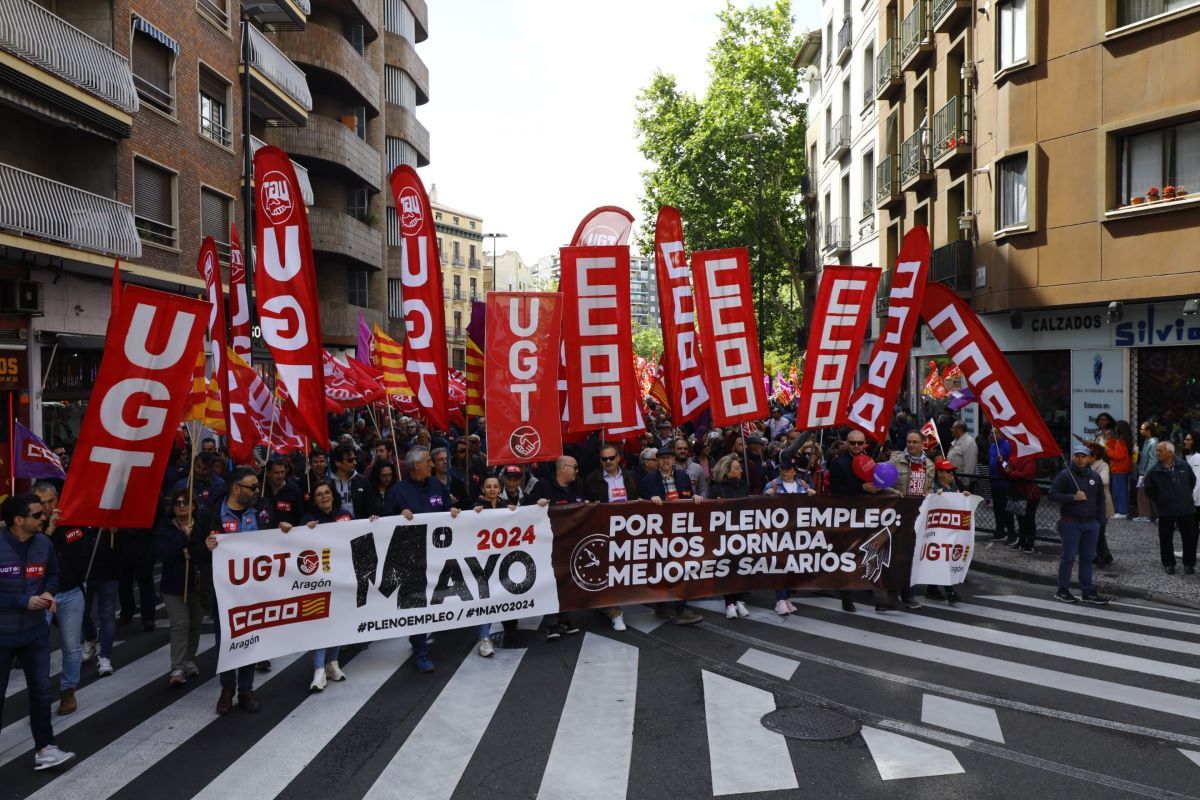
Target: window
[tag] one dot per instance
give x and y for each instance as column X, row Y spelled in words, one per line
column 457, row 324
column 399, row 152
column 358, row 203
column 474, row 262
column 394, row 237
column 1012, row 33
column 395, row 298
column 472, row 224
column 356, row 288
column 214, row 219
column 1131, row 11
column 458, row 287
column 1159, row 158
column 154, row 203
column 360, row 122
column 1013, row 193
column 356, row 35
column 214, row 104
column 441, row 246
column 459, row 358
column 216, row 10
column 868, row 184
column 398, row 18
column 153, row 63
column 474, row 289
column 869, row 77
column 399, row 87
column 456, row 222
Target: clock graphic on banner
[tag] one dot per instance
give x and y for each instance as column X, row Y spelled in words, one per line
column 589, row 563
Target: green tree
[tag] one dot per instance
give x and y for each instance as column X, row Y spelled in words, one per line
column 647, row 340
column 709, row 155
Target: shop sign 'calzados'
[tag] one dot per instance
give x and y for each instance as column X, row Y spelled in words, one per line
column 135, row 408
column 677, row 305
column 523, row 333
column 732, row 362
column 286, row 289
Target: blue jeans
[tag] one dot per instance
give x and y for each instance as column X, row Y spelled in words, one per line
column 103, row 597
column 322, row 657
column 69, row 611
column 35, row 660
column 1078, row 539
column 420, row 645
column 1120, row 492
column 240, row 679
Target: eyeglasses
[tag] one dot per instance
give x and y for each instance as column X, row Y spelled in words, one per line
column 181, row 501
column 252, row 487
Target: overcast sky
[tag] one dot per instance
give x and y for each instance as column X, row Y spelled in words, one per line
column 531, row 109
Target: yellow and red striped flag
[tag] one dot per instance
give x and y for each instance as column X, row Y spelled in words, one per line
column 214, row 412
column 387, row 356
column 475, row 340
column 194, row 406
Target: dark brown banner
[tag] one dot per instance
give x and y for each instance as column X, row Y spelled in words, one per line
column 618, row 553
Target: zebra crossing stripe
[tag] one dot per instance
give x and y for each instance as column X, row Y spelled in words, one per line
column 769, row 663
column 743, row 755
column 301, row 735
column 1098, row 614
column 1095, row 689
column 955, row 715
column 1033, row 644
column 95, row 697
column 113, row 767
column 593, row 745
column 898, row 756
column 432, row 760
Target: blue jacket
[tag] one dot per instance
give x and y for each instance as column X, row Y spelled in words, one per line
column 26, row 569
column 419, row 498
column 169, row 546
column 652, row 485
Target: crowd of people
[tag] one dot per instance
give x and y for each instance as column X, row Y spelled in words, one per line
column 90, row 582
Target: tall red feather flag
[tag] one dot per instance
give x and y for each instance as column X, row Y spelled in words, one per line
column 286, row 289
column 683, row 374
column 239, row 302
column 421, row 282
column 209, row 268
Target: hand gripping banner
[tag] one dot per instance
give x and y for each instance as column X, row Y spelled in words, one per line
column 732, row 363
column 135, row 408
column 523, row 332
column 872, row 403
column 686, row 392
column 421, row 280
column 835, row 337
column 210, row 270
column 239, row 302
column 602, row 391
column 987, row 372
column 286, row 289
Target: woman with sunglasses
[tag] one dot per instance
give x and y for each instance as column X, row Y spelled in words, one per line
column 323, row 510
column 180, row 586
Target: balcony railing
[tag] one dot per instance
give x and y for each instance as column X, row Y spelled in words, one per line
column 38, row 207
column 34, row 34
column 887, row 67
column 845, row 40
column 302, row 177
column 281, row 14
column 458, row 261
column 474, row 263
column 916, row 31
column 271, row 62
column 887, row 181
column 883, row 293
column 839, row 138
column 916, row 160
column 458, row 295
column 837, row 235
column 808, row 181
column 868, row 208
column 951, row 265
column 952, row 128
column 455, row 334
column 946, row 12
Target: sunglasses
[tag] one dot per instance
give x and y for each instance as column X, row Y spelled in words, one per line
column 606, row 459
column 855, row 444
column 252, row 487
column 39, row 515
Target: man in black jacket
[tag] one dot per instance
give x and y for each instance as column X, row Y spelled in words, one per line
column 351, row 487
column 562, row 489
column 667, row 482
column 1081, row 494
column 612, row 483
column 1169, row 485
column 282, row 498
column 74, row 547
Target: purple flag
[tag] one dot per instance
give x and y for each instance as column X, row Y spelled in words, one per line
column 33, row 459
column 362, row 353
column 961, row 398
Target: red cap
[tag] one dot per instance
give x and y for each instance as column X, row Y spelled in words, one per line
column 945, row 464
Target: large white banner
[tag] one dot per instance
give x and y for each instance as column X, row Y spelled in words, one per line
column 358, row 581
column 945, row 536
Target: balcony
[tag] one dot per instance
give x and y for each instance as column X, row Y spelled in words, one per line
column 38, row 208
column 56, row 61
column 888, row 76
column 949, row 14
column 883, row 293
column 868, row 209
column 280, row 15
column 337, row 149
column 474, row 263
column 400, row 52
column 306, row 190
column 402, row 123
column 951, row 265
column 916, row 161
column 279, row 90
column 336, row 233
column 839, row 138
column 887, row 182
column 952, row 131
column 333, row 62
column 845, row 41
column 341, row 319
column 808, row 182
column 455, row 335
column 837, row 235
column 916, row 35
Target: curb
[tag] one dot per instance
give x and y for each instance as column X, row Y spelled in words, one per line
column 1119, row 589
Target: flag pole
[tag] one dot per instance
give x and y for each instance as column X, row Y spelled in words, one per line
column 12, row 447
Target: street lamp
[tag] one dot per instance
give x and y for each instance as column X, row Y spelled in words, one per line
column 495, row 237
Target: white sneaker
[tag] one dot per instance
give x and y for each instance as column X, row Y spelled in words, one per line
column 318, row 682
column 50, row 756
column 104, row 666
column 1118, row 516
column 334, row 672
column 618, row 622
column 89, row 650
column 791, row 606
column 781, row 608
column 485, row 648
column 730, row 611
column 742, row 611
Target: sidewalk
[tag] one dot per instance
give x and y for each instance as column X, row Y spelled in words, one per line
column 1134, row 572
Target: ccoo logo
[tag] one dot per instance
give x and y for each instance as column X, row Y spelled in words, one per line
column 276, row 197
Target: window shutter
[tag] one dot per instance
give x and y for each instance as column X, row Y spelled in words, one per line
column 152, row 193
column 213, row 86
column 214, row 216
column 151, row 62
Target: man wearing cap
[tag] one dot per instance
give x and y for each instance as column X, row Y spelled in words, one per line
column 666, row 433
column 512, row 489
column 1081, row 494
column 1169, row 485
column 667, row 482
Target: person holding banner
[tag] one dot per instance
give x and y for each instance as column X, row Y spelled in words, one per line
column 563, row 489
column 666, row 482
column 1080, row 493
column 944, row 481
column 180, row 586
column 788, row 482
column 281, row 496
column 379, row 482
column 612, row 483
column 728, row 484
column 490, row 498
column 322, row 510
column 915, row 478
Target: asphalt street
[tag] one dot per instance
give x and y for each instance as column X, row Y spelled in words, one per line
column 1009, row 694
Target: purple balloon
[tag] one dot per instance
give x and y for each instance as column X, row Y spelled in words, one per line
column 885, row 475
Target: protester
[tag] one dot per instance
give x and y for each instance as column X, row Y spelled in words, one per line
column 136, row 546
column 564, row 489
column 379, row 482
column 180, row 586
column 73, row 546
column 666, row 482
column 490, row 498
column 727, row 484
column 512, row 488
column 466, row 471
column 1024, row 496
column 1146, row 461
column 685, row 462
column 281, row 498
column 1169, row 484
column 26, row 601
column 963, row 452
column 999, row 453
column 103, row 583
column 914, row 478
column 788, row 482
column 1119, row 449
column 349, row 487
column 844, row 483
column 945, row 480
column 1192, row 452
column 1080, row 493
column 322, row 510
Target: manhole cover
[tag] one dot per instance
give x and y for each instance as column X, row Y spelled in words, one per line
column 815, row 724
